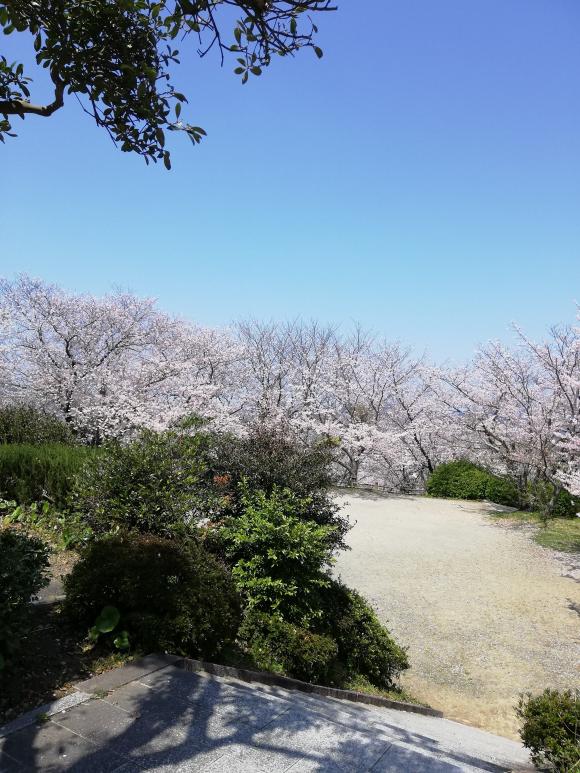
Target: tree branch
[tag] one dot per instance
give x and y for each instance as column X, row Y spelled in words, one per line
column 22, row 107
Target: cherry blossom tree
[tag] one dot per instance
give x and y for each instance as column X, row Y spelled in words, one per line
column 112, row 364
column 109, row 366
column 520, row 407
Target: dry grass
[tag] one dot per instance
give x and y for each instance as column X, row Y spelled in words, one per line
column 485, row 611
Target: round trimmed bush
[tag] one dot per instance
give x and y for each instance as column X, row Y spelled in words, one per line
column 171, row 596
column 567, row 505
column 502, row 491
column 463, row 480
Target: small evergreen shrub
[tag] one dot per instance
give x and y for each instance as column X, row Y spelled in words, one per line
column 23, row 572
column 278, row 557
column 463, row 480
column 170, row 595
column 282, row 647
column 365, row 646
column 551, row 729
column 567, row 505
column 268, row 458
column 542, row 498
column 146, row 486
column 502, row 491
column 39, row 473
column 25, row 425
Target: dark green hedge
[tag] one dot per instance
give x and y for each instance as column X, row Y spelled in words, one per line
column 463, row 480
column 36, row 473
column 24, row 424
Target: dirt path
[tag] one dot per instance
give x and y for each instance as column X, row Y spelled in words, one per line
column 485, row 612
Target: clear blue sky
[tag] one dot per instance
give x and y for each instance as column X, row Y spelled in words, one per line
column 423, row 179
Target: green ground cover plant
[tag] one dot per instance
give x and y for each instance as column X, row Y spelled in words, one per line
column 64, row 530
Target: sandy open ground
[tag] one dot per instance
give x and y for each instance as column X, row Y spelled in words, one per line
column 485, row 612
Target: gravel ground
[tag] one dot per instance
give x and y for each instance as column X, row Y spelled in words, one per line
column 485, row 612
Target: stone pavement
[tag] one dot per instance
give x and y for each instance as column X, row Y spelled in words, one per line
column 158, row 717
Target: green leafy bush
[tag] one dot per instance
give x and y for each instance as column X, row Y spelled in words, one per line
column 27, row 426
column 365, row 646
column 463, row 480
column 37, row 473
column 278, row 557
column 566, row 506
column 23, row 572
column 147, row 486
column 551, row 729
column 541, row 496
column 170, row 595
column 269, row 458
column 282, row 647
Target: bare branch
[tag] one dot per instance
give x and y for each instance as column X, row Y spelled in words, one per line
column 22, row 107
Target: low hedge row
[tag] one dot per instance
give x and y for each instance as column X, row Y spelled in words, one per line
column 38, row 473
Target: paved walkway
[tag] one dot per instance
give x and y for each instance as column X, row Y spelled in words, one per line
column 485, row 612
column 158, row 717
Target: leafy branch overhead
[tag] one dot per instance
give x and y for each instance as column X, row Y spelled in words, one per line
column 117, row 57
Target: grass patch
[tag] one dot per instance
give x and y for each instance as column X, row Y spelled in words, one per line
column 560, row 534
column 360, row 684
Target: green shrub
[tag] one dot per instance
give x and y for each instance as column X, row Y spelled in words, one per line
column 278, row 557
column 278, row 646
column 502, row 491
column 171, row 595
column 541, row 497
column 551, row 729
column 463, row 480
column 25, row 425
column 147, row 486
column 365, row 646
column 37, row 473
column 269, row 458
column 23, row 572
column 566, row 506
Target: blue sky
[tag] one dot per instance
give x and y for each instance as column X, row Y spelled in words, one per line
column 423, row 179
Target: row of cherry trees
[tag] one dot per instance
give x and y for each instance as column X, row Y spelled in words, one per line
column 110, row 365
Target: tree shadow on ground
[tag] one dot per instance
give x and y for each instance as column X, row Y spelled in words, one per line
column 173, row 720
